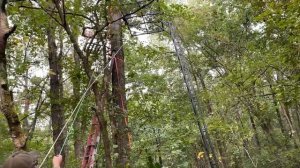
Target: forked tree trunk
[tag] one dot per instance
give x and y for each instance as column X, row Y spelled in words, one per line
column 6, row 97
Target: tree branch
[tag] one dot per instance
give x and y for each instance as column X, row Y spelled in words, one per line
column 66, row 13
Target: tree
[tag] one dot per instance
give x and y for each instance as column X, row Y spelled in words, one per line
column 6, row 97
column 56, row 91
column 243, row 58
column 120, row 119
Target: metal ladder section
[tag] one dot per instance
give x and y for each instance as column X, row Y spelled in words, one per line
column 88, row 160
column 198, row 112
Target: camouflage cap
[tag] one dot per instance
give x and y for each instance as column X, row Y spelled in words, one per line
column 22, row 159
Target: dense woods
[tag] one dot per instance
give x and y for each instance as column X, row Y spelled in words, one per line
column 146, row 83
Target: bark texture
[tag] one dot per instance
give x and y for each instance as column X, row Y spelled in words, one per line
column 120, row 116
column 6, row 97
column 56, row 92
column 79, row 125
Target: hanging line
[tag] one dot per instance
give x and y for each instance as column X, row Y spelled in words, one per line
column 76, row 109
column 68, row 132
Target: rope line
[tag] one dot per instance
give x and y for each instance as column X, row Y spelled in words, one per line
column 68, row 120
column 68, row 133
column 76, row 108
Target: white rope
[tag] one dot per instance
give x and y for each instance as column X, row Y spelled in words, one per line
column 77, row 107
column 68, row 120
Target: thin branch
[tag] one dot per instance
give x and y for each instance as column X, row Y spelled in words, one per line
column 10, row 31
column 66, row 13
column 16, row 0
column 124, row 16
column 46, row 11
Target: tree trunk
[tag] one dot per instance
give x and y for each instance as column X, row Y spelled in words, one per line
column 87, row 68
column 37, row 111
column 105, row 93
column 279, row 118
column 26, row 125
column 79, row 126
column 118, row 90
column 103, row 125
column 287, row 115
column 250, row 111
column 6, row 97
column 56, row 93
column 298, row 116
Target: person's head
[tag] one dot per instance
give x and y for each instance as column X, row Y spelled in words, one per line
column 22, row 159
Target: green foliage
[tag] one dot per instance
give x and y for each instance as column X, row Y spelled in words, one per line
column 244, row 57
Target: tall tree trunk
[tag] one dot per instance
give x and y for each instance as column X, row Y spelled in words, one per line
column 253, row 125
column 6, row 97
column 284, row 107
column 286, row 113
column 103, row 125
column 251, row 111
column 118, row 89
column 79, row 126
column 37, row 111
column 279, row 118
column 297, row 110
column 26, row 125
column 105, row 95
column 56, row 92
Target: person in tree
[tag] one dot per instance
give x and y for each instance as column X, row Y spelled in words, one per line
column 22, row 159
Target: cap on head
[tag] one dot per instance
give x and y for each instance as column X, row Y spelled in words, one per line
column 22, row 159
